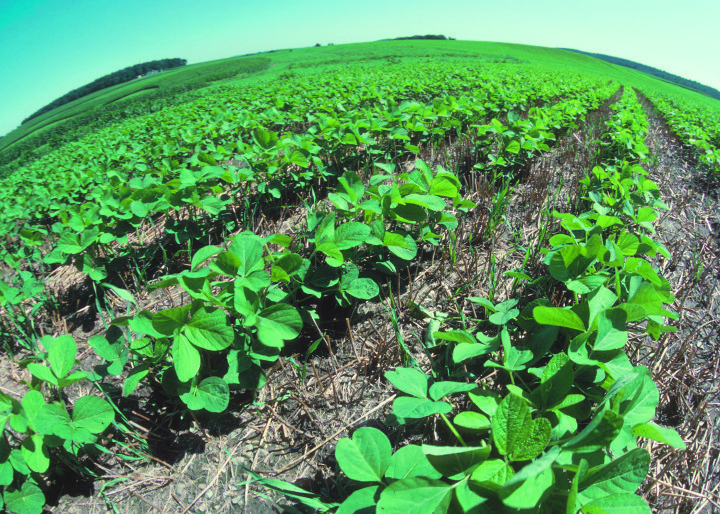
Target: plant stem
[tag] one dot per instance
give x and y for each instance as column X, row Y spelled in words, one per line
column 453, row 430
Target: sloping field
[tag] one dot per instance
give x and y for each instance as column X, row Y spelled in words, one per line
column 404, row 276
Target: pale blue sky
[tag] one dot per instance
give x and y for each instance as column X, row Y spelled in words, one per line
column 49, row 47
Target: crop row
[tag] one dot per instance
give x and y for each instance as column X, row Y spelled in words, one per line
column 697, row 127
column 250, row 294
column 562, row 434
column 88, row 203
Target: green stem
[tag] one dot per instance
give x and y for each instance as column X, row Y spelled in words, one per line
column 453, row 430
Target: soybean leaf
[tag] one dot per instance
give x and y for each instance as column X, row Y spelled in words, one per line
column 93, row 414
column 493, row 471
column 363, row 288
column 622, row 475
column 622, row 503
column 470, row 497
column 486, row 401
column 366, row 456
column 660, row 434
column 416, row 495
column 602, row 430
column 526, row 488
column 559, row 317
column 29, row 499
column 209, row 329
column 214, row 394
column 35, row 453
column 186, row 358
column 61, row 355
column 472, row 421
column 612, row 330
column 410, row 381
column 351, row 234
column 204, row 254
column 455, row 462
column 410, row 461
column 278, row 323
column 406, row 407
column 362, row 501
column 440, row 390
column 557, row 379
column 536, row 441
column 511, row 424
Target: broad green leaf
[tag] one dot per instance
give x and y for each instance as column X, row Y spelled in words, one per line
column 602, row 430
column 410, row 381
column 209, row 329
column 401, row 246
column 362, row 288
column 536, row 441
column 50, row 417
column 407, row 407
column 458, row 336
column 410, row 461
column 486, row 401
column 362, row 501
column 366, row 456
column 204, row 254
column 622, row 475
column 495, row 471
column 266, row 139
column 612, row 330
column 511, row 424
column 470, row 497
column 557, row 379
column 247, row 247
column 660, row 434
column 214, row 394
column 35, row 453
column 351, row 234
column 93, row 414
column 472, row 421
column 465, row 351
column 31, row 403
column 134, row 377
column 61, row 355
column 440, row 390
column 186, row 358
column 42, row 372
column 278, row 323
column 29, row 499
column 622, row 503
column 455, row 462
column 416, row 495
column 526, row 488
column 559, row 317
column 169, row 320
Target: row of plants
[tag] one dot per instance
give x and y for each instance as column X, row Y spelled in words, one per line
column 84, row 215
column 558, row 431
column 45, row 140
column 696, row 126
column 250, row 295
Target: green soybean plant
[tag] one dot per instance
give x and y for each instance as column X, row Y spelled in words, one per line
column 42, row 433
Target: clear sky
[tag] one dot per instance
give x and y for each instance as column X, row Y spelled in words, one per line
column 49, row 47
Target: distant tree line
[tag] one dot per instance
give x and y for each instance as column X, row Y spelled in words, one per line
column 691, row 84
column 112, row 79
column 429, row 36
